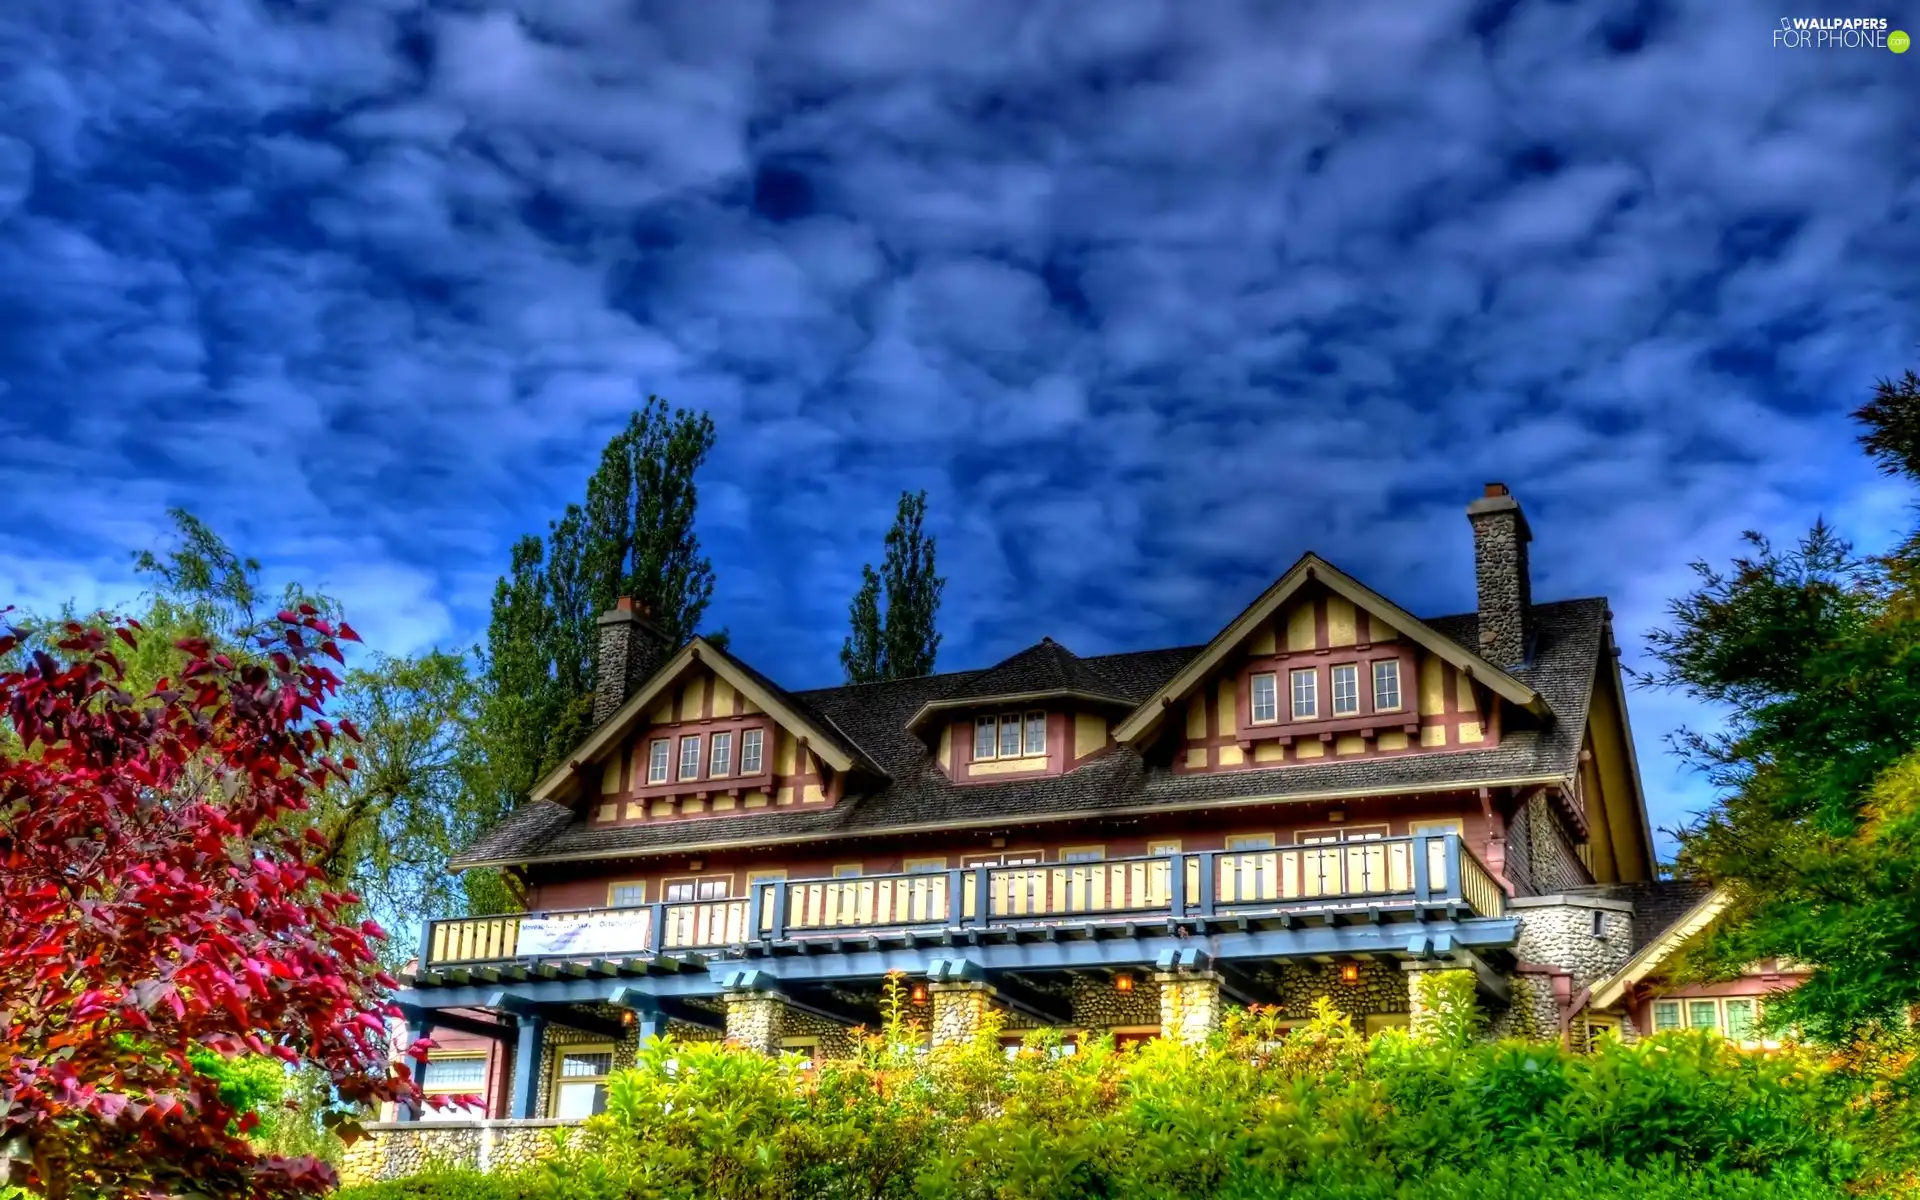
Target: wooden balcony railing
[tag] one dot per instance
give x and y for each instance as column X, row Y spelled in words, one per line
column 1428, row 869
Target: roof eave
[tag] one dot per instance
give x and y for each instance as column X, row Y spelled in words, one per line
column 933, row 708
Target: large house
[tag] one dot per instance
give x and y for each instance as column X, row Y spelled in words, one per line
column 1328, row 797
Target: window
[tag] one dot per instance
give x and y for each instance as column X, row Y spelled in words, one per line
column 580, row 1083
column 922, row 866
column 455, row 1075
column 1386, row 685
column 1306, row 696
column 1250, row 841
column 985, row 740
column 848, row 871
column 1346, row 690
column 808, row 1048
column 1599, row 923
column 1164, row 846
column 1739, row 1019
column 1010, row 736
column 626, row 895
column 1266, row 699
column 1036, row 733
column 1082, row 854
column 657, row 761
column 756, row 878
column 690, row 757
column 1732, row 1016
column 706, row 887
column 720, row 762
column 1666, row 1015
column 1703, row 1014
column 750, row 741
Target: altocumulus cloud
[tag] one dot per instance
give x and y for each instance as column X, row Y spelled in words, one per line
column 1149, row 296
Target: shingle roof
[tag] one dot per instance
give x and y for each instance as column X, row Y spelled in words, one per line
column 1042, row 668
column 1571, row 636
column 1657, row 903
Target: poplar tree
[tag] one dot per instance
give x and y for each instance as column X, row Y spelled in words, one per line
column 905, row 645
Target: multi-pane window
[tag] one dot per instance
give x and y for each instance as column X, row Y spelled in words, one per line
column 1266, row 700
column 1734, row 1016
column 1036, row 733
column 720, row 762
column 687, row 891
column 1703, row 1014
column 750, row 750
column 626, row 895
column 1083, row 854
column 1386, row 685
column 690, row 757
column 581, row 1089
column 1666, row 1015
column 1010, row 736
column 985, row 738
column 1739, row 1014
column 454, row 1075
column 1346, row 689
column 1306, row 694
column 657, row 761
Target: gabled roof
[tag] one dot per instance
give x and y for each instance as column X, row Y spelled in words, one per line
column 1043, row 671
column 913, row 793
column 823, row 738
column 1311, row 568
column 1654, row 954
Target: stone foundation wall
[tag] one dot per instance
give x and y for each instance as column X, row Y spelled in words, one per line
column 1381, row 988
column 1532, row 1011
column 559, row 1036
column 1097, row 1006
column 394, row 1150
column 836, row 1040
column 1558, row 931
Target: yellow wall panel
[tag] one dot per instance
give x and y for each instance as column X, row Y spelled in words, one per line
column 784, row 796
column 1231, row 756
column 1312, row 748
column 748, row 707
column 609, row 812
column 610, row 776
column 1470, row 732
column 663, row 808
column 724, row 698
column 1379, row 630
column 1350, row 744
column 725, row 803
column 1433, row 735
column 690, row 698
column 1262, row 641
column 1197, row 716
column 1463, row 698
column 1226, row 706
column 1433, row 694
column 813, row 795
column 1269, row 752
column 946, row 746
column 783, row 753
column 1393, row 740
column 1340, row 622
column 1089, row 733
column 636, row 809
column 1197, row 757
column 1008, row 766
column 662, row 712
column 1300, row 627
column 754, row 800
column 693, row 806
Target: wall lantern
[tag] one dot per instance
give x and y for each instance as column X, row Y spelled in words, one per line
column 627, row 1017
column 1349, row 972
column 917, row 994
column 1122, row 981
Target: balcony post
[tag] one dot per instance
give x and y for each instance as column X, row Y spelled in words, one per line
column 426, row 943
column 778, row 930
column 983, row 896
column 1454, row 891
column 754, row 892
column 526, row 1066
column 1208, row 871
column 956, row 902
column 415, row 1030
column 1177, row 885
column 1422, row 883
column 657, row 926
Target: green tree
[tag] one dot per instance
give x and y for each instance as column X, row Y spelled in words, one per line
column 633, row 536
column 905, row 645
column 1814, row 654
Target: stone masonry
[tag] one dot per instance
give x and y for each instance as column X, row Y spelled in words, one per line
column 1380, row 988
column 756, row 1020
column 1189, row 1005
column 1418, row 1015
column 1559, row 931
column 631, row 649
column 959, row 1010
column 1500, row 537
column 393, row 1150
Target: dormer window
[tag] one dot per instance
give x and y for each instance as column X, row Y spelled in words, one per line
column 1266, row 698
column 750, row 750
column 1346, row 689
column 1306, row 694
column 722, row 759
column 657, row 760
column 1386, row 685
column 1036, row 733
column 1010, row 736
column 690, row 757
column 985, row 738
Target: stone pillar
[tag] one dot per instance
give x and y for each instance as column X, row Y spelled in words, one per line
column 1500, row 537
column 756, row 1020
column 959, row 1010
column 1422, row 1020
column 1189, row 1005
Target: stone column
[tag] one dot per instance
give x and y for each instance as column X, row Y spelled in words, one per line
column 1422, row 1020
column 959, row 1010
column 1189, row 1005
column 756, row 1020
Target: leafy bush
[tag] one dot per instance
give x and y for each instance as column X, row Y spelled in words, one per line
column 1321, row 1113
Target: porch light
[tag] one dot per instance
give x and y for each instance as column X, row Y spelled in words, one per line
column 1123, row 981
column 627, row 1017
column 917, row 994
column 1349, row 972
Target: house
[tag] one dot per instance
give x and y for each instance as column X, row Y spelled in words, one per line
column 1327, row 798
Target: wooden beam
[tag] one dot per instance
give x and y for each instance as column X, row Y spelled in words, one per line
column 458, row 1022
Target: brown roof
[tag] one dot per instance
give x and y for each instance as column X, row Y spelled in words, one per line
column 915, row 794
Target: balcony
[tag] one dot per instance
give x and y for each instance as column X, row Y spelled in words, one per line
column 1387, row 879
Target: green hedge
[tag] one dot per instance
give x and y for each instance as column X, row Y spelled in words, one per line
column 1320, row 1114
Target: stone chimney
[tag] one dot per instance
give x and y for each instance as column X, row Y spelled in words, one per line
column 1500, row 537
column 631, row 648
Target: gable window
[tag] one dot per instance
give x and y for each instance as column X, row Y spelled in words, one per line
column 1010, row 736
column 657, row 761
column 985, row 739
column 580, row 1084
column 1346, row 689
column 1306, row 694
column 721, row 761
column 690, row 757
column 1386, row 685
column 750, row 743
column 1036, row 733
column 1266, row 698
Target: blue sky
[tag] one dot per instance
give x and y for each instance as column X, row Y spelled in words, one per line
column 1150, row 297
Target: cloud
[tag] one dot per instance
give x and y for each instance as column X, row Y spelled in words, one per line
column 1149, row 297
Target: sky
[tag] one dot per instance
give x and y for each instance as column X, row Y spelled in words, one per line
column 1149, row 297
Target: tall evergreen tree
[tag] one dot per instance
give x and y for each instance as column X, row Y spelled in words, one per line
column 633, row 536
column 906, row 644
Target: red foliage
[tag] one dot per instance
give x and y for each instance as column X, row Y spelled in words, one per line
column 156, row 896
